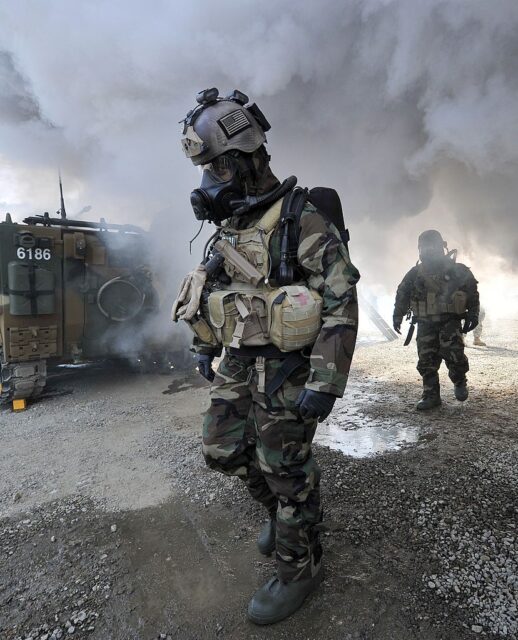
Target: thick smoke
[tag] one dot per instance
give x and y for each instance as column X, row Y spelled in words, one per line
column 407, row 107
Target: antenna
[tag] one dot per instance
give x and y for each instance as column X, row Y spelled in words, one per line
column 62, row 207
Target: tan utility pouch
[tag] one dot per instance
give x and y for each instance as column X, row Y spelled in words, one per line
column 432, row 306
column 288, row 317
column 296, row 317
column 459, row 302
column 202, row 329
column 239, row 318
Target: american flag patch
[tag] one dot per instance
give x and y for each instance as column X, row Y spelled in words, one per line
column 234, row 122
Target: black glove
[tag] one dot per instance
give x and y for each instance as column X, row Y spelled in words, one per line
column 205, row 366
column 396, row 323
column 315, row 404
column 469, row 324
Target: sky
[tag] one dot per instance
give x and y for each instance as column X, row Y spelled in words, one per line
column 406, row 107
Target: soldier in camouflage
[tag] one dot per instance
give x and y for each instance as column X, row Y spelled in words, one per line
column 440, row 293
column 265, row 402
column 477, row 331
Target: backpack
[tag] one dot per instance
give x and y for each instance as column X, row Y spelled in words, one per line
column 327, row 201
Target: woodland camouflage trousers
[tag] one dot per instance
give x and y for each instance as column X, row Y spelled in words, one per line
column 263, row 441
column 438, row 341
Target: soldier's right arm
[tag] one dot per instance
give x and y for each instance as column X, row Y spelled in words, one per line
column 205, row 349
column 404, row 294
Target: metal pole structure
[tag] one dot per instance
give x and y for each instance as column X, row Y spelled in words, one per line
column 377, row 320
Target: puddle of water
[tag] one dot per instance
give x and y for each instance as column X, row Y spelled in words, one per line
column 77, row 365
column 366, row 441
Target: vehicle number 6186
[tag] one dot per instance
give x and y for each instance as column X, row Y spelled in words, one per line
column 33, row 254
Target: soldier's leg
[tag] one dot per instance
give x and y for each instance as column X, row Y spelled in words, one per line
column 452, row 350
column 429, row 360
column 229, row 438
column 286, row 460
column 477, row 331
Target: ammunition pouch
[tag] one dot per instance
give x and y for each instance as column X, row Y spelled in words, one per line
column 203, row 331
column 248, row 313
column 434, row 305
column 288, row 317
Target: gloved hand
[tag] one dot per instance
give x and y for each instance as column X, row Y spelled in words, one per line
column 205, row 366
column 187, row 302
column 469, row 324
column 315, row 404
column 396, row 323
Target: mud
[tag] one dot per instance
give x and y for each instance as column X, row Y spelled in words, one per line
column 111, row 525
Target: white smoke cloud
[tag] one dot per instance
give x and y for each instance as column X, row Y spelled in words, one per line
column 407, row 107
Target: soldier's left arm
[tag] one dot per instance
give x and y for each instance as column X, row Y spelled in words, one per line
column 329, row 270
column 471, row 288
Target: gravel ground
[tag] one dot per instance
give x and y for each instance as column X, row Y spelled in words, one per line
column 111, row 526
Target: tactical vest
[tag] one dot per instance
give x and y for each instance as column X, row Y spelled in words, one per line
column 437, row 295
column 242, row 315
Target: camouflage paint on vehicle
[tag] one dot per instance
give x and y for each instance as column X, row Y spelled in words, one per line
column 67, row 292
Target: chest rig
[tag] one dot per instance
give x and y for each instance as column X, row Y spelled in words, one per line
column 245, row 312
column 253, row 243
column 437, row 295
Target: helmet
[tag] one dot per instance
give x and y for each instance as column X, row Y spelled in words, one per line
column 218, row 125
column 431, row 238
column 431, row 246
column 225, row 138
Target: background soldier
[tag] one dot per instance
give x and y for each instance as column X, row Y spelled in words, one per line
column 287, row 350
column 439, row 292
column 477, row 331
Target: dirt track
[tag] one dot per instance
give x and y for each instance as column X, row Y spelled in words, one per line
column 113, row 528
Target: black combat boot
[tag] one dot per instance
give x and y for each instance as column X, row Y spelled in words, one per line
column 266, row 539
column 429, row 401
column 431, row 393
column 461, row 390
column 277, row 600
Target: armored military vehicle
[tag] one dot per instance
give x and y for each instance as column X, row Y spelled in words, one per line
column 70, row 290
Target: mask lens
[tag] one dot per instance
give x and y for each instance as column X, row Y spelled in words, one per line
column 222, row 168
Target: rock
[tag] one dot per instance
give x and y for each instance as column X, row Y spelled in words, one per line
column 113, row 528
column 476, row 628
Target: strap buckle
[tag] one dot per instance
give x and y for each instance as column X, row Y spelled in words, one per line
column 260, row 367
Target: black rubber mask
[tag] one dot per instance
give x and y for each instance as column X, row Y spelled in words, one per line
column 221, row 191
column 432, row 256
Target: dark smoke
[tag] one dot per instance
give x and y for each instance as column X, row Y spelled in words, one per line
column 17, row 102
column 407, row 107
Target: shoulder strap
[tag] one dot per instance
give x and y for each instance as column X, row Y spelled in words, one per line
column 271, row 217
column 291, row 211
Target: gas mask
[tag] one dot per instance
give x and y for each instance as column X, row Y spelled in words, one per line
column 228, row 187
column 431, row 255
column 221, row 192
column 431, row 248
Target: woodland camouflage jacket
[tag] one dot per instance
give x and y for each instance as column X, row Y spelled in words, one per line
column 449, row 277
column 326, row 267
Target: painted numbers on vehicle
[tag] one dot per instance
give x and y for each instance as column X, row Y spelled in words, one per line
column 33, row 254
